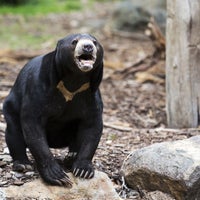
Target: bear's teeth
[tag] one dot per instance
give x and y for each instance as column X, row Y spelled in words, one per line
column 87, row 62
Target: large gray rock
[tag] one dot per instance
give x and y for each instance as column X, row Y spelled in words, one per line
column 170, row 167
column 98, row 188
column 133, row 15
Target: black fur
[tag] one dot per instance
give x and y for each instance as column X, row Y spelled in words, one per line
column 38, row 117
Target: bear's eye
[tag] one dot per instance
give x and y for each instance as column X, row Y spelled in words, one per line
column 74, row 42
column 95, row 42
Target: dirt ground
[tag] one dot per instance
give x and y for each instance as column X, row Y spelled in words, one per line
column 134, row 103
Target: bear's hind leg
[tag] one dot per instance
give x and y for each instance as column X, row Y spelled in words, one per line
column 16, row 144
column 71, row 157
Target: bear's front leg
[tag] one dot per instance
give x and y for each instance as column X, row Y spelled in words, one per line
column 88, row 139
column 48, row 168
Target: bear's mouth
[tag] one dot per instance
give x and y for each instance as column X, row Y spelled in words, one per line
column 85, row 61
column 85, row 54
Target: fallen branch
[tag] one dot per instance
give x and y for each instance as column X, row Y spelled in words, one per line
column 6, row 83
column 155, row 34
column 140, row 65
column 13, row 56
column 118, row 127
column 8, row 60
column 129, row 35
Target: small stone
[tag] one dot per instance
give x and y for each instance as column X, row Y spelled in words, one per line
column 2, row 183
column 8, row 175
column 29, row 173
column 18, row 182
column 18, row 175
column 29, row 167
column 109, row 142
column 5, row 158
column 6, row 151
column 74, row 23
column 2, row 164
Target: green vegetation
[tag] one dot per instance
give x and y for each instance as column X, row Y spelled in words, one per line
column 20, row 22
column 13, row 2
column 15, row 37
column 33, row 7
column 23, row 24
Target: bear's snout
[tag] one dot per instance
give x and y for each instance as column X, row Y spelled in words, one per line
column 87, row 48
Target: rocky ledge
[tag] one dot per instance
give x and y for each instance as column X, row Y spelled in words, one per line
column 98, row 188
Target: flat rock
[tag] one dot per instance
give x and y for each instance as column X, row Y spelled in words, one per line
column 98, row 188
column 170, row 167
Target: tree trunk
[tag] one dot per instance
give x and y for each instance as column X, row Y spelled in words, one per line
column 183, row 63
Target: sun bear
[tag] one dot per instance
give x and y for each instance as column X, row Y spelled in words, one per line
column 55, row 102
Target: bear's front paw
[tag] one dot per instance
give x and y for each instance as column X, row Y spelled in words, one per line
column 83, row 169
column 53, row 174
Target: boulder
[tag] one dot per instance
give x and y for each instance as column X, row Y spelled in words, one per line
column 170, row 167
column 132, row 15
column 98, row 188
column 157, row 195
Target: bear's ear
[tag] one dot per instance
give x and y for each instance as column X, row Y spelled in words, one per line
column 57, row 52
column 96, row 77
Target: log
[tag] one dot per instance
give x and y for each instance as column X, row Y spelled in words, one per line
column 183, row 63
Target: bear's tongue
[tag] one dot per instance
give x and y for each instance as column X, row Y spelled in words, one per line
column 86, row 60
column 86, row 65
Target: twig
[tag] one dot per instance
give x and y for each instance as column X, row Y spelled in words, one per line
column 135, row 67
column 139, row 68
column 129, row 35
column 13, row 56
column 118, row 127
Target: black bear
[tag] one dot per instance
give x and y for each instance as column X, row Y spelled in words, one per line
column 54, row 103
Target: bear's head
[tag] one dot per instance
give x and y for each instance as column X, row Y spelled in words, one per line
column 79, row 53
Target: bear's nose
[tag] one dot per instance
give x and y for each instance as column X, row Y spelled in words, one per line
column 87, row 48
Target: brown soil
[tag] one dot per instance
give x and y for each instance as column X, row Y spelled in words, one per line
column 134, row 107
